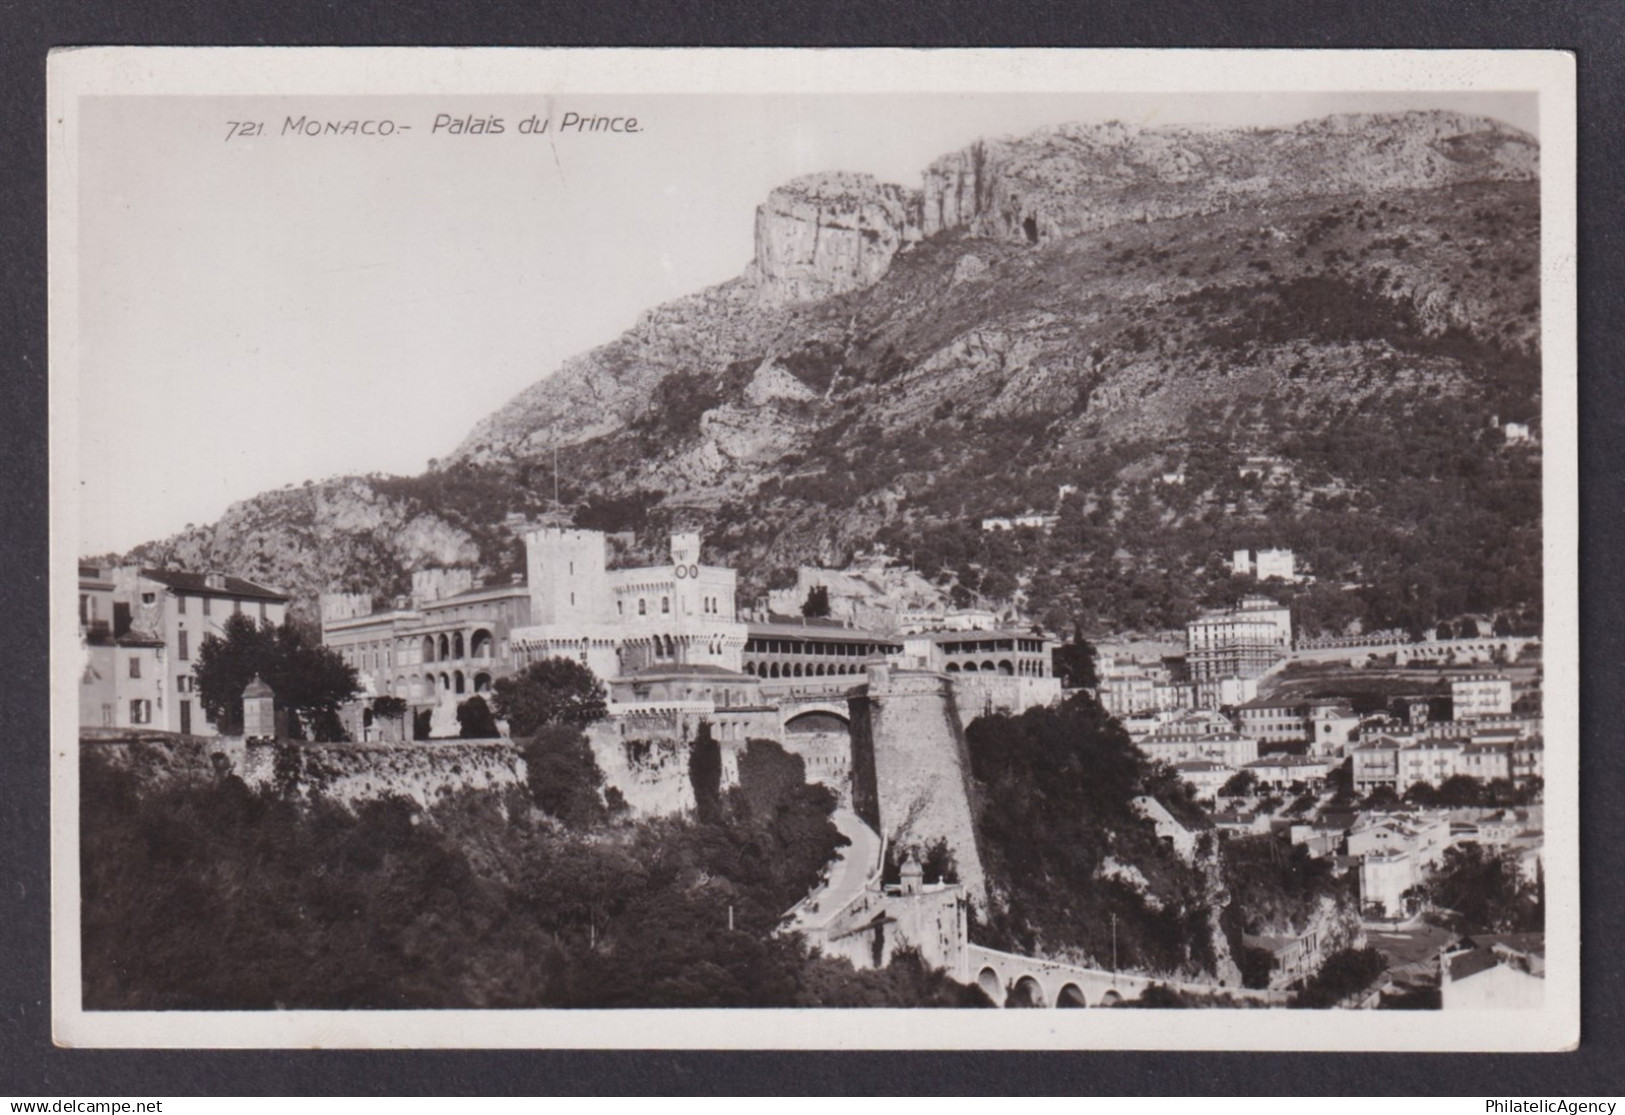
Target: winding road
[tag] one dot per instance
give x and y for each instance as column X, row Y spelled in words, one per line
column 854, row 865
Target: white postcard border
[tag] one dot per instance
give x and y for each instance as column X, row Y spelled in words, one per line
column 84, row 72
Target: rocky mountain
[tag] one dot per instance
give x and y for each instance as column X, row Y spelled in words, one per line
column 1177, row 340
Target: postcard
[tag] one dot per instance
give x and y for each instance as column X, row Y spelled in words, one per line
column 838, row 549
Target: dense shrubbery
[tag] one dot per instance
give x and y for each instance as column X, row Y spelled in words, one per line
column 1275, row 887
column 208, row 896
column 1465, row 790
column 1478, row 889
column 1343, row 974
column 310, row 681
column 474, row 719
column 1055, row 788
column 563, row 777
column 551, row 693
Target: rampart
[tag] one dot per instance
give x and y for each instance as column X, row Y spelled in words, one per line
column 346, row 772
column 984, row 694
column 426, row 771
column 911, row 769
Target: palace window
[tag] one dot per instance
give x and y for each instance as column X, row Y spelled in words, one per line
column 183, row 649
column 140, row 711
column 135, row 667
column 180, row 603
column 208, row 605
column 643, row 608
column 665, row 605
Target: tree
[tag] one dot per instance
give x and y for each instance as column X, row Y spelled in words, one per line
column 705, row 773
column 552, row 692
column 225, row 666
column 388, row 708
column 1379, row 797
column 1256, row 965
column 1485, row 890
column 1075, row 662
column 474, row 720
column 1343, row 974
column 816, row 606
column 1057, row 787
column 1461, row 790
column 1340, row 781
column 1240, row 784
column 564, row 777
column 311, row 682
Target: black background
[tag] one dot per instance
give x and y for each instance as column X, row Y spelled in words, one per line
column 31, row 1067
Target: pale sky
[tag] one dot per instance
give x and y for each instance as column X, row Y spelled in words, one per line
column 265, row 311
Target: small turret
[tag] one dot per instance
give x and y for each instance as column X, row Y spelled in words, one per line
column 913, row 875
column 259, row 710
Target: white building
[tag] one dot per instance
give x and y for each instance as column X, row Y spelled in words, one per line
column 122, row 672
column 1205, row 776
column 1275, row 564
column 1279, row 564
column 1240, row 644
column 1168, row 744
column 1476, row 695
column 1281, row 772
column 180, row 609
column 622, row 620
column 1334, row 728
column 1385, row 880
column 1494, row 972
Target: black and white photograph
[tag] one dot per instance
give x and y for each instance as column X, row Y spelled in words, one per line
column 719, row 548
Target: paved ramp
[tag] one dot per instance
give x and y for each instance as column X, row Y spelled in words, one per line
column 851, row 870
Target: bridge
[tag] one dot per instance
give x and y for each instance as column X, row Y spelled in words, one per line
column 1012, row 980
column 794, row 708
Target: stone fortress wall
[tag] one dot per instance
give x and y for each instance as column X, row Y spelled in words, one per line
column 348, row 773
column 911, row 778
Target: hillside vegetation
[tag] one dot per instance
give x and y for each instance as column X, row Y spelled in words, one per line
column 200, row 894
column 1212, row 360
column 1075, row 871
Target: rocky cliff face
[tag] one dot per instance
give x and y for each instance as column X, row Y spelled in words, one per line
column 827, row 235
column 355, row 535
column 830, row 233
column 1081, row 178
